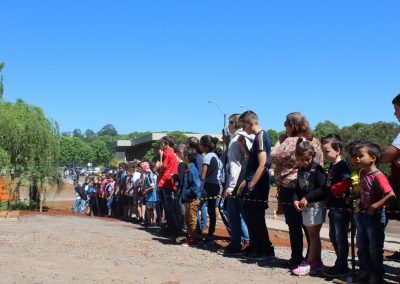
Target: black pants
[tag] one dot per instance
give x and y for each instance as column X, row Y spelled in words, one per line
column 295, row 223
column 254, row 213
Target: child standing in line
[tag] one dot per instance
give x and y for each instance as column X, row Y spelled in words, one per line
column 309, row 200
column 149, row 190
column 109, row 191
column 351, row 150
column 375, row 192
column 209, row 175
column 190, row 196
column 338, row 190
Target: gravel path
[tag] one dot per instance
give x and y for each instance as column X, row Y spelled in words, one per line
column 44, row 249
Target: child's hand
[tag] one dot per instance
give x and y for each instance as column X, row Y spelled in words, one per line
column 303, row 203
column 296, row 206
column 397, row 161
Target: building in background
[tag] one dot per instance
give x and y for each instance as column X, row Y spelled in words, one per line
column 128, row 150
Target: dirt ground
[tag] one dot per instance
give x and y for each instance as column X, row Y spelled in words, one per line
column 58, row 246
column 59, row 204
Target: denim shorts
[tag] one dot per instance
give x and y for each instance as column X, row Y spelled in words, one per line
column 151, row 205
column 314, row 214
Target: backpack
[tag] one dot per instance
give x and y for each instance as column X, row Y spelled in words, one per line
column 81, row 192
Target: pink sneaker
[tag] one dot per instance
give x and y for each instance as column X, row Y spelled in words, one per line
column 189, row 243
column 303, row 269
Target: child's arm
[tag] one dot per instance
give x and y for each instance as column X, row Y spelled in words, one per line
column 372, row 209
column 386, row 189
column 161, row 157
column 204, row 172
column 318, row 192
column 149, row 189
column 243, row 146
column 341, row 187
column 296, row 201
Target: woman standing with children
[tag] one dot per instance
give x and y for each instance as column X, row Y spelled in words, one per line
column 286, row 174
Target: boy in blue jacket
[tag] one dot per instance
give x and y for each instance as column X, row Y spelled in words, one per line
column 191, row 187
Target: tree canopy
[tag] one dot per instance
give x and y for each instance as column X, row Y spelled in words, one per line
column 108, row 129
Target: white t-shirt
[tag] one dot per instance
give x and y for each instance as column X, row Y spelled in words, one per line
column 135, row 181
column 396, row 142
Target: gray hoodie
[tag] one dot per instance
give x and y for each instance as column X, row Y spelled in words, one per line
column 235, row 157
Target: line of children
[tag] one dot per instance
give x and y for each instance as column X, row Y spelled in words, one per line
column 364, row 183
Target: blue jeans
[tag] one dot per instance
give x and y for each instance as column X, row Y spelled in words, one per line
column 339, row 220
column 223, row 212
column 78, row 206
column 168, row 200
column 159, row 207
column 109, row 203
column 239, row 231
column 370, row 239
column 212, row 191
column 295, row 223
column 202, row 218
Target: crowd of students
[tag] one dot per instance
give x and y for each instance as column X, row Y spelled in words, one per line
column 190, row 183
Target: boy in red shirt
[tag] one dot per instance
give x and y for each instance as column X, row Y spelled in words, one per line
column 375, row 192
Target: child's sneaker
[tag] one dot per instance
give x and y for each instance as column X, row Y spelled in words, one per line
column 303, row 269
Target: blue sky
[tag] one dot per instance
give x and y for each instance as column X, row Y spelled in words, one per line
column 153, row 65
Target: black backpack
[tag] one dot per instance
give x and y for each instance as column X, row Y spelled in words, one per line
column 81, row 191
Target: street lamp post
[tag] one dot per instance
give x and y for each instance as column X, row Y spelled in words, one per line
column 223, row 113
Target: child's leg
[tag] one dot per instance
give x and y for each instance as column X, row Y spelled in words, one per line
column 376, row 236
column 154, row 218
column 315, row 243
column 144, row 212
column 109, row 205
column 338, row 231
column 150, row 215
column 191, row 218
column 362, row 241
column 139, row 209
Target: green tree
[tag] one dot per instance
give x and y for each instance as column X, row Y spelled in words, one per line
column 4, row 161
column 101, row 152
column 178, row 137
column 135, row 134
column 66, row 134
column 381, row 133
column 273, row 135
column 325, row 128
column 90, row 134
column 108, row 129
column 76, row 152
column 1, row 80
column 77, row 133
column 32, row 143
column 109, row 140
